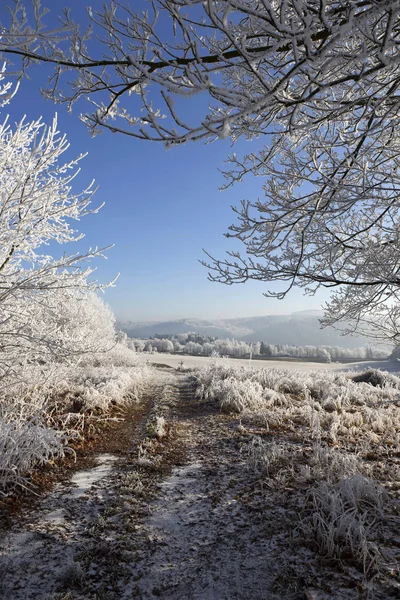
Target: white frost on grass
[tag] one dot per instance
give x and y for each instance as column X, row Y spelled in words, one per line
column 24, row 444
column 335, row 437
column 328, row 404
column 38, row 420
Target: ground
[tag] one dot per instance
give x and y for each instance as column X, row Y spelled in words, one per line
column 190, row 362
column 169, row 509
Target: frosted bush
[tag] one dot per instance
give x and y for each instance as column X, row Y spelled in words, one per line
column 362, row 494
column 62, row 396
column 332, row 465
column 233, row 393
column 267, row 457
column 288, row 462
column 24, row 444
column 237, row 395
column 117, row 355
column 377, row 378
column 101, row 387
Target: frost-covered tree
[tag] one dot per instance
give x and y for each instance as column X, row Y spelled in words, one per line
column 317, row 78
column 177, row 346
column 82, row 323
column 57, row 338
column 45, row 308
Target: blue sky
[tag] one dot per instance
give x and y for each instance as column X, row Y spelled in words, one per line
column 161, row 208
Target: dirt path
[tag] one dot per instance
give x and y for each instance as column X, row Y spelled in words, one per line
column 202, row 543
column 162, row 521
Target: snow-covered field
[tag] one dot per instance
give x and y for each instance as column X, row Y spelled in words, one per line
column 190, row 362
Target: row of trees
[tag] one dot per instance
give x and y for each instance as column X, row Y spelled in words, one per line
column 318, row 79
column 208, row 346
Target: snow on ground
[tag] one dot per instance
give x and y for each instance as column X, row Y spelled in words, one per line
column 83, row 480
column 186, row 514
column 190, row 362
column 137, row 532
column 37, row 556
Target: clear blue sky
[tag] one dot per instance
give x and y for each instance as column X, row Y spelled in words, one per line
column 161, row 208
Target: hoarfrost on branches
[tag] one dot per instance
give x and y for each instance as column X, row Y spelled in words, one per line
column 297, row 63
column 317, row 78
column 37, row 208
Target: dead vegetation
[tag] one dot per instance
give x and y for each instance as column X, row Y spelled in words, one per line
column 333, row 440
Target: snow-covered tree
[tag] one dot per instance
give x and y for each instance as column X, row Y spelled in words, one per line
column 45, row 305
column 319, row 76
column 163, row 345
column 148, row 347
column 177, row 346
column 323, row 354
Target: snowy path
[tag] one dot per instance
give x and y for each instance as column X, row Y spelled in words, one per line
column 125, row 530
column 203, row 544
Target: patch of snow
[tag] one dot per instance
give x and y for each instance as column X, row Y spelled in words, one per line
column 83, row 480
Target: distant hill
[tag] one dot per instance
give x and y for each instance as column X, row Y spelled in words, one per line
column 299, row 328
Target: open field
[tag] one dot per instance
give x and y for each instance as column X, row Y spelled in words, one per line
column 191, row 362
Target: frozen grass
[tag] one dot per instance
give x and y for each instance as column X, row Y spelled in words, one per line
column 332, row 437
column 23, row 445
column 329, row 405
column 50, row 404
column 344, row 520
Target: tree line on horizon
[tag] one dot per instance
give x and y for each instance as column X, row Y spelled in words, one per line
column 197, row 344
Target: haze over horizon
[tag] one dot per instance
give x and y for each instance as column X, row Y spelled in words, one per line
column 315, row 312
column 300, row 328
column 234, row 310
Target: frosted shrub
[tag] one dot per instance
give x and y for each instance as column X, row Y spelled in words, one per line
column 22, row 445
column 60, row 395
column 362, row 494
column 377, row 378
column 267, row 458
column 328, row 404
column 276, row 399
column 322, row 464
column 332, row 465
column 101, row 387
column 117, row 354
